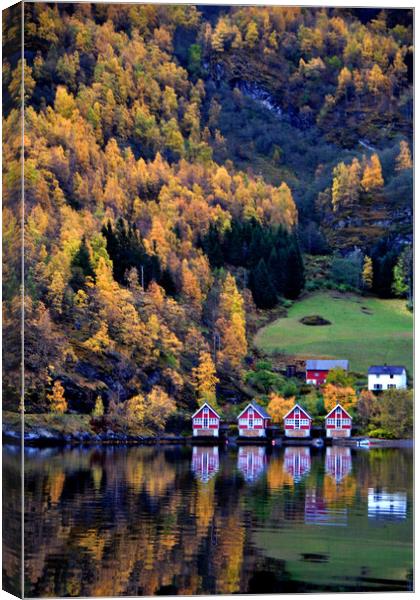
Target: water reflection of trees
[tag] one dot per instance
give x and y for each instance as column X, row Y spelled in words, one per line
column 115, row 521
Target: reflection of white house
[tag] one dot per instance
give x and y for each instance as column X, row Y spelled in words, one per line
column 317, row 512
column 387, row 377
column 387, row 505
column 205, row 462
column 297, row 462
column 251, row 461
column 337, row 462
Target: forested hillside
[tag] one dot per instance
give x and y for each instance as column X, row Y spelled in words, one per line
column 180, row 161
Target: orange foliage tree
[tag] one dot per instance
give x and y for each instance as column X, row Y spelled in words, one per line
column 335, row 394
column 278, row 407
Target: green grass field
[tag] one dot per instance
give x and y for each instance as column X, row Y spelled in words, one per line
column 364, row 330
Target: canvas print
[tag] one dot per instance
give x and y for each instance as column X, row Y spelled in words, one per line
column 207, row 299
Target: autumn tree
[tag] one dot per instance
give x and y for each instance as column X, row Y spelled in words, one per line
column 341, row 377
column 335, row 394
column 231, row 323
column 204, row 378
column 367, row 409
column 372, row 175
column 56, row 293
column 396, row 412
column 404, row 160
column 346, row 185
column 278, row 407
column 56, row 398
column 251, row 36
column 367, row 273
column 191, row 287
column 158, row 408
column 98, row 410
column 135, row 409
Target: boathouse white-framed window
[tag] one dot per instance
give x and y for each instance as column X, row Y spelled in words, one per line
column 205, row 418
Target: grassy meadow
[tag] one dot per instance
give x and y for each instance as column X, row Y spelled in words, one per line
column 364, row 330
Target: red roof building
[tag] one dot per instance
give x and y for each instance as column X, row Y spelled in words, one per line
column 297, row 422
column 205, row 422
column 253, row 421
column 317, row 370
column 338, row 423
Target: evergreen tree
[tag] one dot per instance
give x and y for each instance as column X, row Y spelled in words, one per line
column 277, row 268
column 295, row 281
column 212, row 246
column 81, row 266
column 383, row 273
column 262, row 288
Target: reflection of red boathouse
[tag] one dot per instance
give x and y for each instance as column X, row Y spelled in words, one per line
column 338, row 462
column 297, row 462
column 205, row 462
column 251, row 461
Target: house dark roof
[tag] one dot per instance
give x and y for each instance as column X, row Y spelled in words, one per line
column 386, row 370
column 261, row 410
column 258, row 408
column 326, row 365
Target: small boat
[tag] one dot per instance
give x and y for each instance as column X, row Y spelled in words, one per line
column 318, row 443
column 363, row 443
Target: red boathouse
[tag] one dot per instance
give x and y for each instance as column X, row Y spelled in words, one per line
column 205, row 421
column 338, row 423
column 317, row 370
column 253, row 421
column 297, row 422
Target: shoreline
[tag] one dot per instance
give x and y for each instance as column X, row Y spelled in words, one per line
column 47, row 438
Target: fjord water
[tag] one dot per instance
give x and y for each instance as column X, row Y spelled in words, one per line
column 207, row 520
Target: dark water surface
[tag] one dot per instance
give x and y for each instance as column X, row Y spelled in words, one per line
column 203, row 520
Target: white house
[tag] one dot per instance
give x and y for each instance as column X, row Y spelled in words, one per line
column 387, row 377
column 205, row 421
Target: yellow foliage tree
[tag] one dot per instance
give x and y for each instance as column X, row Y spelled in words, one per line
column 98, row 410
column 57, row 400
column 372, row 175
column 190, row 287
column 231, row 323
column 135, row 409
column 100, row 341
column 159, row 407
column 367, row 273
column 334, row 394
column 204, row 377
column 278, row 407
column 56, row 292
column 404, row 160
